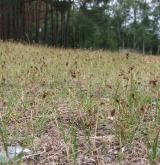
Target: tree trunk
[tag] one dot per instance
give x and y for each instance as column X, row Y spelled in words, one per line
column 3, row 22
column 57, row 27
column 134, row 42
column 53, row 28
column 46, row 23
column 8, row 23
column 143, row 48
column 18, row 21
column 38, row 11
column 123, row 44
column 158, row 51
column 22, row 16
column 28, row 21
column 67, row 29
column 62, row 27
column 14, row 31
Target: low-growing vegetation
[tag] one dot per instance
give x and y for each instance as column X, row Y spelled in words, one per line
column 79, row 107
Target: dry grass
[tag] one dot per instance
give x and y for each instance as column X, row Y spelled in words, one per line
column 79, row 107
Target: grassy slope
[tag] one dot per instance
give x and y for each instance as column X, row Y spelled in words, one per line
column 74, row 106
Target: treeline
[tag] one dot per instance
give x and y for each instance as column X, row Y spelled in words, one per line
column 104, row 24
column 44, row 21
